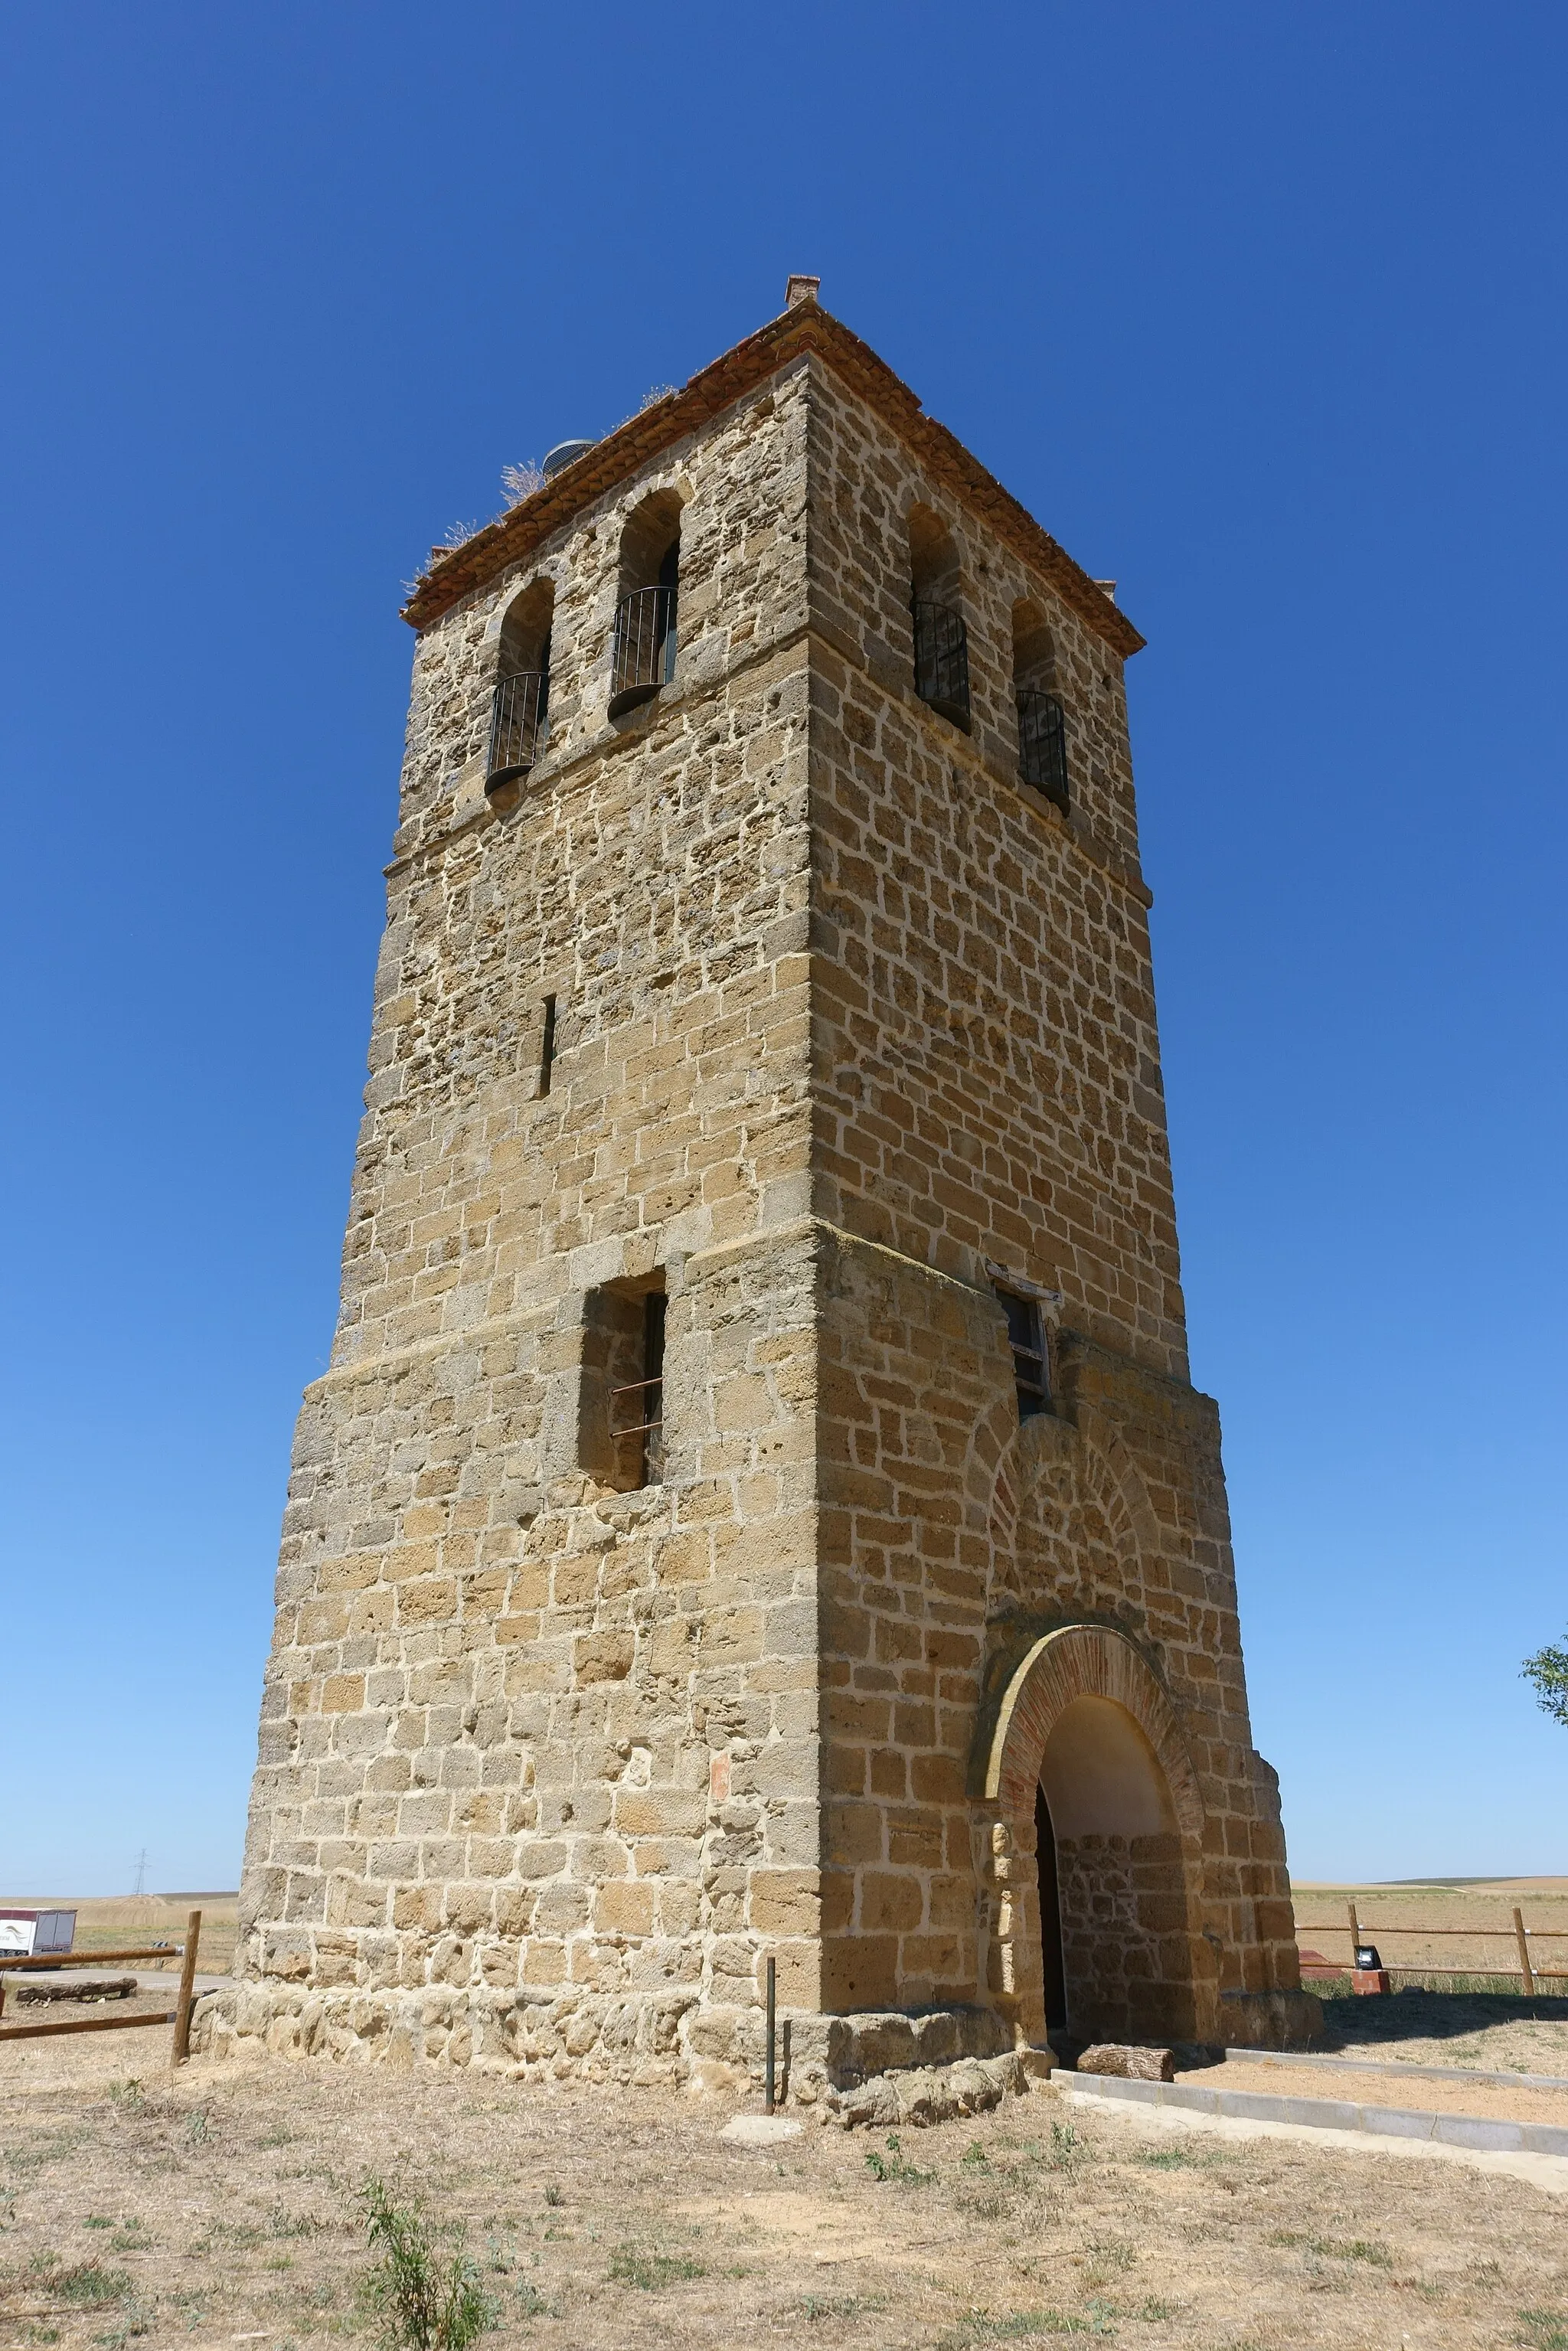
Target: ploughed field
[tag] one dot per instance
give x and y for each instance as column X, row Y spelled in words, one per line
column 126, row 1921
column 226, row 2203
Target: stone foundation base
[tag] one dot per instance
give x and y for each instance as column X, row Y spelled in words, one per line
column 671, row 2038
column 824, row 2056
column 1269, row 2020
column 921, row 2095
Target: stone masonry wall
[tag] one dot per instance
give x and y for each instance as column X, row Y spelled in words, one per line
column 1123, row 1939
column 521, row 1732
column 986, row 1053
column 987, row 1088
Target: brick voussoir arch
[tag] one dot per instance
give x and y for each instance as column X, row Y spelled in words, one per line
column 1106, row 1457
column 1085, row 1661
column 991, row 1486
column 999, row 1477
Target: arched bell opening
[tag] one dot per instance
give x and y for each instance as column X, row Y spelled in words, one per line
column 519, row 703
column 1037, row 696
column 645, row 637
column 936, row 618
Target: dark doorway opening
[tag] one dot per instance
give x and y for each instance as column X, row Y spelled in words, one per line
column 1050, row 1917
column 653, row 1387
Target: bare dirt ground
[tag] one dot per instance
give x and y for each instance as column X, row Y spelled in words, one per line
column 1387, row 2087
column 222, row 2205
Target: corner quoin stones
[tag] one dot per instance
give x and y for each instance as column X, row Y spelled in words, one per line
column 849, row 1025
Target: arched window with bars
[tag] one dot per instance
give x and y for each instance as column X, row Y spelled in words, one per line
column 1042, row 722
column 520, row 706
column 941, row 638
column 643, row 650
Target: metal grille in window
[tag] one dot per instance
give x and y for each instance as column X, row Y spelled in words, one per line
column 517, row 728
column 644, row 655
column 647, row 1394
column 1032, row 1362
column 1042, row 745
column 942, row 661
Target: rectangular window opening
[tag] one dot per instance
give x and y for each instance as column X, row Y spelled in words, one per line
column 1031, row 1358
column 546, row 1047
column 622, row 1423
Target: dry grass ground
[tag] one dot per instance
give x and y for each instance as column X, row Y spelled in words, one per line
column 222, row 2205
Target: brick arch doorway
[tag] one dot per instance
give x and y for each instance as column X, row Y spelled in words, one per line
column 1087, row 1746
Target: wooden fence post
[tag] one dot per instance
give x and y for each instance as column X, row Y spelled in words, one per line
column 187, row 1980
column 1354, row 1933
column 1527, row 1973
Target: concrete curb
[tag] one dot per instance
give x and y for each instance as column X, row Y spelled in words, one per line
column 1333, row 2113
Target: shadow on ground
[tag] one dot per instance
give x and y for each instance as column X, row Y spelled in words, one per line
column 1352, row 2023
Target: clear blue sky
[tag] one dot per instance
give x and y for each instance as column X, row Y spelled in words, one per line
column 1260, row 309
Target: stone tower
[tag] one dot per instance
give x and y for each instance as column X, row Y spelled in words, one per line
column 758, row 1506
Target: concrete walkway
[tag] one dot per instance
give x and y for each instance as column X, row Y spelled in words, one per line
column 1332, row 2122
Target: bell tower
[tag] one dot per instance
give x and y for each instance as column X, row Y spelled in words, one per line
column 758, row 1508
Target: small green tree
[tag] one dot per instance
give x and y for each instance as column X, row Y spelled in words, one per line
column 425, row 2300
column 1548, row 1670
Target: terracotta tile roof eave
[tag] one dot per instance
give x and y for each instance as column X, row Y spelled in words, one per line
column 807, row 327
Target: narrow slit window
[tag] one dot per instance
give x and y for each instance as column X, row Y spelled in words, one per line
column 546, row 1047
column 1031, row 1361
